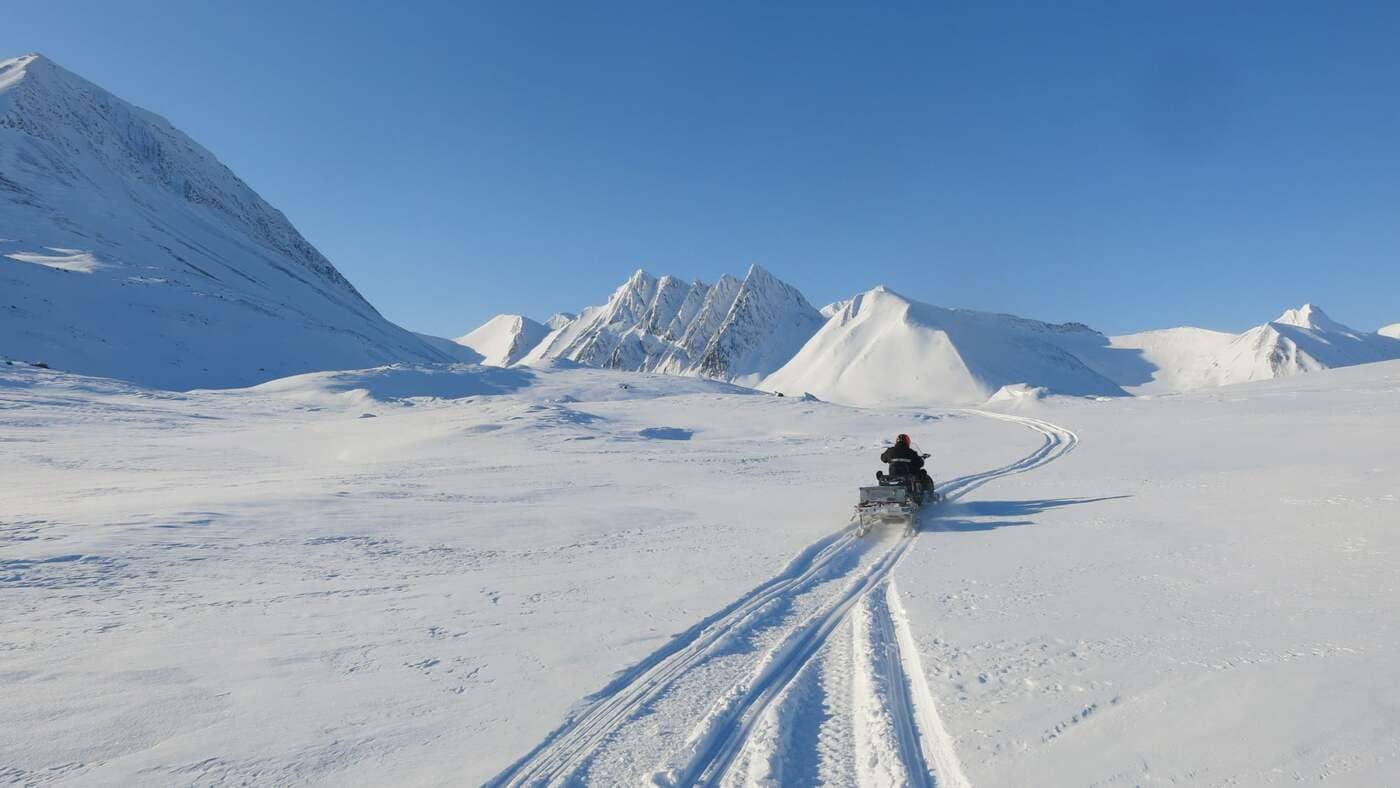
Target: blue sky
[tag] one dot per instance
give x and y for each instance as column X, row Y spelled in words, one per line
column 1129, row 165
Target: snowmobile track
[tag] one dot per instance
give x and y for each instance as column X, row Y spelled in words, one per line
column 715, row 744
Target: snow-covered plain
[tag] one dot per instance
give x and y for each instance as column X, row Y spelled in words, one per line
column 455, row 575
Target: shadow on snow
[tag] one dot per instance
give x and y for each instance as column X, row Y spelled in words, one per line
column 1010, row 513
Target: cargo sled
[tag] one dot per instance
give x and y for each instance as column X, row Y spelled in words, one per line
column 896, row 500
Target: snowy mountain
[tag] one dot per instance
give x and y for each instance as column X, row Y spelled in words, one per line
column 504, row 339
column 128, row 250
column 731, row 330
column 768, row 323
column 884, row 348
column 1392, row 331
column 559, row 320
column 832, row 308
column 1300, row 340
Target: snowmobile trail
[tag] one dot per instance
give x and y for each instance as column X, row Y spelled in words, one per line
column 709, row 708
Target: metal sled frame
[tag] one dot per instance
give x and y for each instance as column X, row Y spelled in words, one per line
column 886, row 504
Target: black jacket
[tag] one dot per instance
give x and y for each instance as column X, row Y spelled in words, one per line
column 902, row 459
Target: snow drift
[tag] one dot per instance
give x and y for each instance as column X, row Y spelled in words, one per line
column 128, row 250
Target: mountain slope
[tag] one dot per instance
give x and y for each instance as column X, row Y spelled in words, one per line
column 1392, row 331
column 1300, row 340
column 128, row 250
column 504, row 339
column 732, row 330
column 768, row 323
column 884, row 348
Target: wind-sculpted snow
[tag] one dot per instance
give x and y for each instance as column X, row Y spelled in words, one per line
column 126, row 249
column 401, row 382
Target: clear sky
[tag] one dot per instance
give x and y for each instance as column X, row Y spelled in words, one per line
column 1130, row 165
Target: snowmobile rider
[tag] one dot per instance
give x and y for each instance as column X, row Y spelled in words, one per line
column 905, row 461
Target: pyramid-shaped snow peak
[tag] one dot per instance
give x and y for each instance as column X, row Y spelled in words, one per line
column 1312, row 318
column 504, row 339
column 883, row 348
column 768, row 322
column 130, row 251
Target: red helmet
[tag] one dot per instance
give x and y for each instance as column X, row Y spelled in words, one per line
column 902, row 438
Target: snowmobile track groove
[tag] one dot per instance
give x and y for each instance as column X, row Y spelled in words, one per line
column 924, row 747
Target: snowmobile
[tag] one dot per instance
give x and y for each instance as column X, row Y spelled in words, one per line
column 895, row 499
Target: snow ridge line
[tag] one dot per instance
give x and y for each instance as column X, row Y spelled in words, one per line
column 719, row 739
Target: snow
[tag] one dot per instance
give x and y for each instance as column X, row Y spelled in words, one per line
column 131, row 251
column 504, row 339
column 75, row 260
column 883, row 348
column 451, row 349
column 558, row 320
column 835, row 306
column 733, row 330
column 768, row 322
column 587, row 573
column 1300, row 340
column 542, row 564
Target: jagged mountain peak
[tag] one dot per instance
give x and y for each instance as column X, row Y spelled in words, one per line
column 729, row 329
column 767, row 324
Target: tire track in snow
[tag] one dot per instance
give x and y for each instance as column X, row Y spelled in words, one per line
column 732, row 726
column 925, row 750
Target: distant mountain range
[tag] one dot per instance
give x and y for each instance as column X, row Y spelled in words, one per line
column 129, row 251
column 880, row 347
